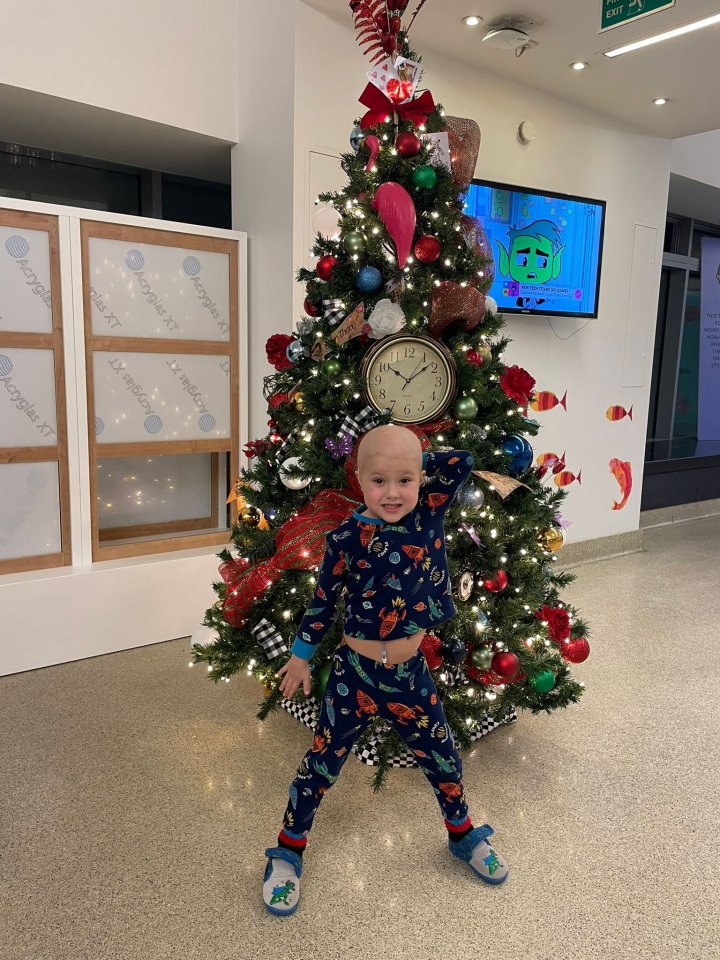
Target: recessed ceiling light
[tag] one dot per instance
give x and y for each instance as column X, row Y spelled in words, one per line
column 578, row 65
column 660, row 101
column 472, row 21
column 668, row 35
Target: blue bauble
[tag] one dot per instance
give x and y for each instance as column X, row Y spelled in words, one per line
column 368, row 279
column 356, row 138
column 519, row 451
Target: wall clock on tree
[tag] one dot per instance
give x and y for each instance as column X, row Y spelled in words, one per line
column 412, row 375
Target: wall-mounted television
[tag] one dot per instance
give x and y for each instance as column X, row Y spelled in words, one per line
column 547, row 248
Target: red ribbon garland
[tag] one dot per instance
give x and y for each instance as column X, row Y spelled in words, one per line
column 381, row 108
column 300, row 545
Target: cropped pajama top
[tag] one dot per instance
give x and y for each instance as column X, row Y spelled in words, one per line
column 394, row 576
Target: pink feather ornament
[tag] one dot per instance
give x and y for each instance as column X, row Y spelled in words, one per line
column 396, row 209
column 373, row 145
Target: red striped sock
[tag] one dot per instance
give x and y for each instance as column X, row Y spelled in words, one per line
column 296, row 844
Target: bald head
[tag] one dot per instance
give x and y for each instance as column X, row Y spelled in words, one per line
column 391, row 442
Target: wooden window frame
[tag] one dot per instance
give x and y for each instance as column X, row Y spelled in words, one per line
column 47, row 341
column 158, row 237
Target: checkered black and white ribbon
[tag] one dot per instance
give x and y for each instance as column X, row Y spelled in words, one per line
column 359, row 423
column 334, row 311
column 281, row 451
column 307, row 712
column 269, row 639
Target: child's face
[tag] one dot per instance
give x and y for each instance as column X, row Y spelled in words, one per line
column 390, row 484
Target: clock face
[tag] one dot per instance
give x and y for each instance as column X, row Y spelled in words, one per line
column 412, row 376
column 465, row 586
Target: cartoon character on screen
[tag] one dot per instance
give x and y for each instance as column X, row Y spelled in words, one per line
column 535, row 256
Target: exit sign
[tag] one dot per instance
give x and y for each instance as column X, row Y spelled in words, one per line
column 615, row 13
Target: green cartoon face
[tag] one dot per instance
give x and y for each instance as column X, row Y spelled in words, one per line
column 535, row 254
column 531, row 259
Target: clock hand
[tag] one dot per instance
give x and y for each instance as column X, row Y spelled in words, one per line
column 408, row 379
column 417, row 374
column 397, row 372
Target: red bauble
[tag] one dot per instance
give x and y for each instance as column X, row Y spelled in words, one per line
column 408, row 144
column 430, row 646
column 575, row 651
column 309, row 307
column 427, row 249
column 505, row 664
column 325, row 266
column 498, row 584
column 472, row 356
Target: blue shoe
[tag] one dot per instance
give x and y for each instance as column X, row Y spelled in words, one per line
column 479, row 855
column 281, row 883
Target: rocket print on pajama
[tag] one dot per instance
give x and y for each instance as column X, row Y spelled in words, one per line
column 358, row 690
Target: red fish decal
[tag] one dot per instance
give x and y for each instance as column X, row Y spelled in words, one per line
column 622, row 471
column 546, row 400
column 617, row 413
column 550, row 461
column 565, row 478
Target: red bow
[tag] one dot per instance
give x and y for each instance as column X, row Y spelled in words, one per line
column 380, row 107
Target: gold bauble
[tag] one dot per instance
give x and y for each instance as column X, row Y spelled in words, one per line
column 267, row 690
column 485, row 352
column 298, row 402
column 552, row 539
column 251, row 516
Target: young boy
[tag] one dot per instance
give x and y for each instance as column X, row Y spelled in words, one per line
column 389, row 558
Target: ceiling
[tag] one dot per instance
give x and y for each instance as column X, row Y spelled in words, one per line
column 686, row 69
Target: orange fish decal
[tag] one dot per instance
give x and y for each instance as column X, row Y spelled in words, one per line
column 622, row 471
column 436, row 499
column 365, row 704
column 546, row 400
column 617, row 413
column 565, row 478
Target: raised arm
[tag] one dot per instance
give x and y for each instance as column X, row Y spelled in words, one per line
column 445, row 474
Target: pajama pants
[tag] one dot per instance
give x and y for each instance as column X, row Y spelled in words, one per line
column 358, row 690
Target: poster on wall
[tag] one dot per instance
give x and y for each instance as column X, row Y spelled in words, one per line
column 149, row 290
column 709, row 361
column 25, row 296
column 155, row 396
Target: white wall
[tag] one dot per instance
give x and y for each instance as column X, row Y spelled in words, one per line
column 575, row 152
column 698, row 157
column 171, row 61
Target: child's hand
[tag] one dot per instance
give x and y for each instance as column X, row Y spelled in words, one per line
column 297, row 671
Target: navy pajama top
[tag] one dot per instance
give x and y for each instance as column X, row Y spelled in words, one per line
column 395, row 576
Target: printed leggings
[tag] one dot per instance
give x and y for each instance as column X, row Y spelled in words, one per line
column 358, row 690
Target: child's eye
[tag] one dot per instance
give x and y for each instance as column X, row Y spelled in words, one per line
column 377, row 480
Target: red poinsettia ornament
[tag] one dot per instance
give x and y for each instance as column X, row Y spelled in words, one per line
column 517, row 384
column 558, row 622
column 498, row 584
column 275, row 350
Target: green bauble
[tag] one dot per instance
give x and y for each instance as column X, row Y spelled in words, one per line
column 543, row 682
column 465, row 408
column 481, row 657
column 324, row 675
column 424, row 177
column 354, row 242
column 332, row 367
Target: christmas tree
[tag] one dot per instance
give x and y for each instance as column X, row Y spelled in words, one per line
column 398, row 328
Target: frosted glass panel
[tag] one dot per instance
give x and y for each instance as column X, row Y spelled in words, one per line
column 27, row 398
column 140, row 490
column 25, row 304
column 146, row 290
column 156, row 396
column 29, row 510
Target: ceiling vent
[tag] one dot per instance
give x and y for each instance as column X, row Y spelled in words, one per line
column 510, row 34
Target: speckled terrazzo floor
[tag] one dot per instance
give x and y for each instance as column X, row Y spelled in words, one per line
column 137, row 798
